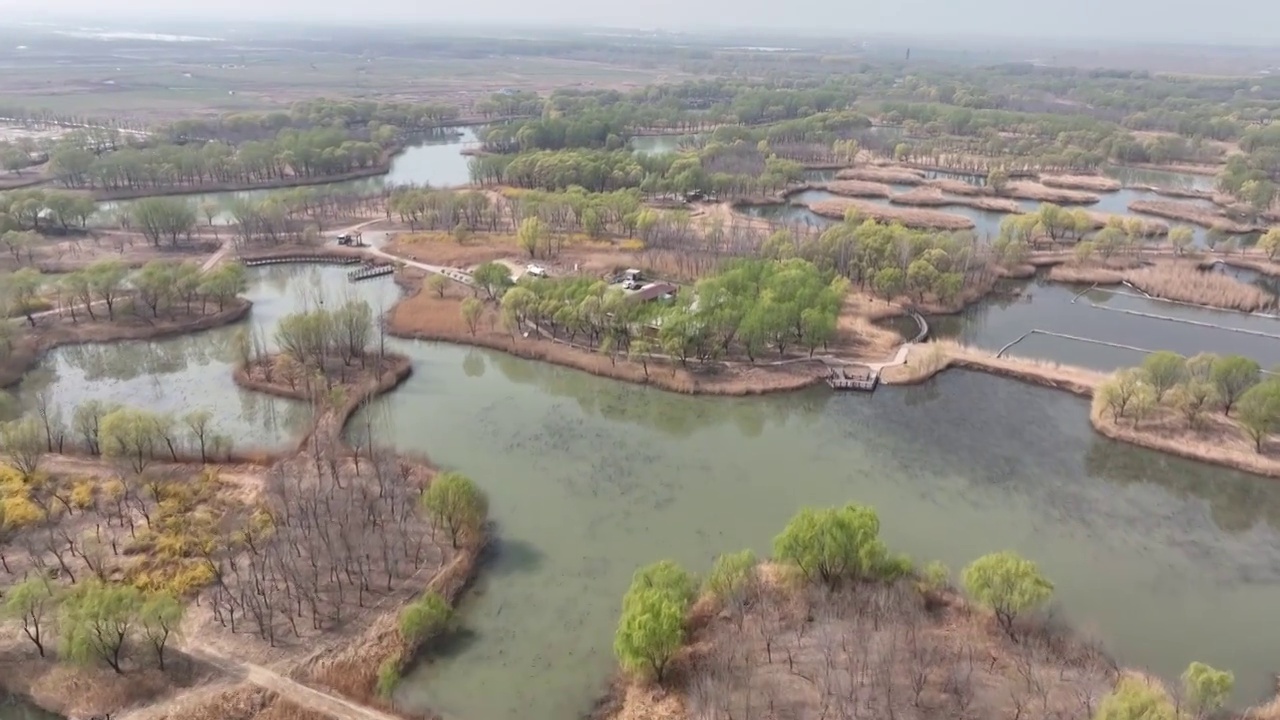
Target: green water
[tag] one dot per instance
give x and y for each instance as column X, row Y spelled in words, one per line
column 1167, row 561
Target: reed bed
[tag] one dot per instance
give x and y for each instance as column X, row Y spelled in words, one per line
column 1095, row 183
column 934, row 197
column 892, row 175
column 910, row 217
column 1184, row 283
column 1187, row 212
column 858, row 188
column 1041, row 193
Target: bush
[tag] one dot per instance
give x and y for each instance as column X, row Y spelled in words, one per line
column 424, row 618
column 388, row 676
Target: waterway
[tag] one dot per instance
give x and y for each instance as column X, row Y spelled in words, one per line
column 438, row 162
column 193, row 372
column 1167, row 561
column 1105, row 314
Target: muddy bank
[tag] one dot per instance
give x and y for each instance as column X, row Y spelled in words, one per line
column 910, row 217
column 31, row 344
column 1094, row 183
column 1197, row 214
column 932, row 196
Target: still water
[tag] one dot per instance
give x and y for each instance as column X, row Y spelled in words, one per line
column 1167, row 561
column 438, row 162
column 1107, row 315
column 193, row 372
column 12, row 708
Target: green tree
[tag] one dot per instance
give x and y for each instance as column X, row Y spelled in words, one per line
column 1008, row 585
column 1270, row 243
column 161, row 218
column 96, row 621
column 1136, row 699
column 650, row 631
column 31, row 602
column 23, row 291
column 1205, row 688
column 1181, row 237
column 1119, row 392
column 106, row 279
column 997, row 180
column 1162, row 371
column 424, row 618
column 455, row 501
column 530, row 234
column 131, row 435
column 1258, row 411
column 160, row 617
column 472, row 308
column 666, row 577
column 936, row 575
column 25, row 443
column 833, row 544
column 492, row 277
column 730, row 574
column 1232, row 375
column 438, row 284
column 1193, row 398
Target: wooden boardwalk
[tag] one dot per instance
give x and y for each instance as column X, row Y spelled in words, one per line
column 369, row 271
column 283, row 259
column 845, row 380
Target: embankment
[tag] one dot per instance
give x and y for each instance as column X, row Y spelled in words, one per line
column 883, row 174
column 933, row 197
column 858, row 188
column 1092, row 183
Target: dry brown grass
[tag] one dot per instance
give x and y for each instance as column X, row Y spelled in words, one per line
column 1187, row 212
column 1086, row 274
column 1096, row 183
column 934, row 197
column 910, row 217
column 1184, row 283
column 858, row 188
column 882, row 174
column 805, row 651
column 1028, row 190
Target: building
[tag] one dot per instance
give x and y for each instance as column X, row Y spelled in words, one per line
column 655, row 291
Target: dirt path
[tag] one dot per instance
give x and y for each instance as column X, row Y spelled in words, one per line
column 237, row 671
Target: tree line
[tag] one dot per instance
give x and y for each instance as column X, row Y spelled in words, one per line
column 291, row 153
column 41, row 210
column 160, row 287
column 1168, row 384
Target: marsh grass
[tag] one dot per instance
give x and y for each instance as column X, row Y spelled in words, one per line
column 1184, row 283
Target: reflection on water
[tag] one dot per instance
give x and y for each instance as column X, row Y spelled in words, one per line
column 193, row 372
column 1168, row 561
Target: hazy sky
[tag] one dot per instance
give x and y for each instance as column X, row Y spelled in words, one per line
column 1174, row 20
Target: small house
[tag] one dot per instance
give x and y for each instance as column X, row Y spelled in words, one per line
column 655, row 291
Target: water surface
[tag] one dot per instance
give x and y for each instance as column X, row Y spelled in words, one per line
column 193, row 372
column 1168, row 561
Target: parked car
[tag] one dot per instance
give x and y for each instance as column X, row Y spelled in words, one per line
column 536, row 271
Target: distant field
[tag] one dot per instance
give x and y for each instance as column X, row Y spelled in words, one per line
column 156, row 87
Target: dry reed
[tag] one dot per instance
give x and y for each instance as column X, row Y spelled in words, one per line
column 1040, row 193
column 933, row 197
column 1187, row 212
column 910, row 217
column 858, row 188
column 891, row 175
column 1184, row 283
column 1096, row 183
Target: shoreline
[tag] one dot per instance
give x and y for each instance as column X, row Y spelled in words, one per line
column 26, row 356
